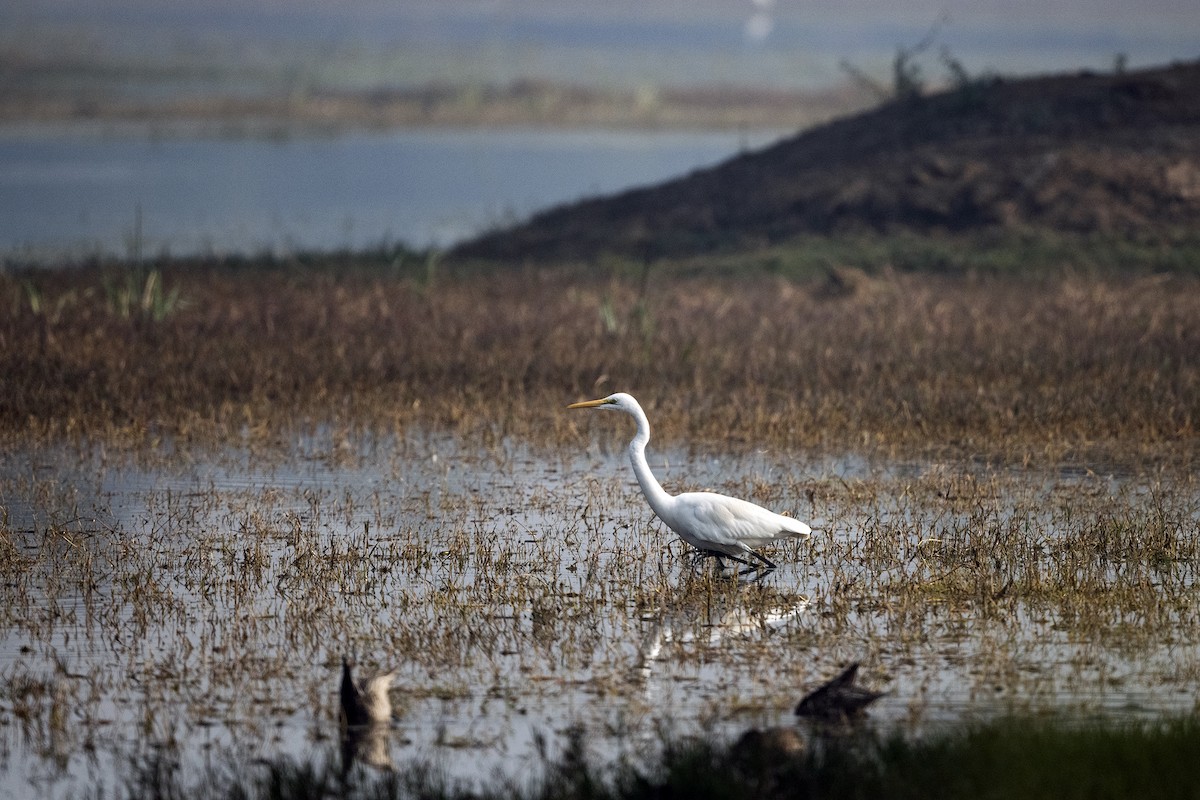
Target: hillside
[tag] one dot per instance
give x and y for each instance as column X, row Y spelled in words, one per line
column 1107, row 153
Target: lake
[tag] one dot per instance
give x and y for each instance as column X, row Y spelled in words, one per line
column 66, row 193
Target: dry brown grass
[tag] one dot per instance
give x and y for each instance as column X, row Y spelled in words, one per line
column 221, row 590
column 1015, row 368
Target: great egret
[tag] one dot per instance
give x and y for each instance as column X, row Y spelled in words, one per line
column 713, row 523
column 366, row 703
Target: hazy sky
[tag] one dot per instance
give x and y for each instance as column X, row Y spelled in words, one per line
column 661, row 41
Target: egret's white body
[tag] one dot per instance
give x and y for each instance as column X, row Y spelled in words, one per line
column 710, row 522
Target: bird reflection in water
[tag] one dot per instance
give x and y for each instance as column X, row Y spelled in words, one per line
column 707, row 622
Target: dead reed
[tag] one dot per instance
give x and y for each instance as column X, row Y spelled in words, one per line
column 1018, row 368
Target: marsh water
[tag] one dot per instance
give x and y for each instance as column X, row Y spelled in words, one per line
column 75, row 193
column 195, row 604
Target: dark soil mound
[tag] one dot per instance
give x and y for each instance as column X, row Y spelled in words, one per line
column 1114, row 153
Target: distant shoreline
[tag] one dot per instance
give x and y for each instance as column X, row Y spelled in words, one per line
column 521, row 104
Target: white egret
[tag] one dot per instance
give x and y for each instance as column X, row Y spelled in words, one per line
column 713, row 523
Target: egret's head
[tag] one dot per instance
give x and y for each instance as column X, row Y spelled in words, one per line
column 614, row 402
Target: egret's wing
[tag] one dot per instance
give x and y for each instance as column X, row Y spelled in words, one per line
column 728, row 521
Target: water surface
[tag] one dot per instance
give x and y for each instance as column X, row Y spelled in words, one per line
column 126, row 193
column 197, row 603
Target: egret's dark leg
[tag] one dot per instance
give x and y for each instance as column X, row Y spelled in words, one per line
column 722, row 556
column 699, row 557
column 770, row 564
column 757, row 570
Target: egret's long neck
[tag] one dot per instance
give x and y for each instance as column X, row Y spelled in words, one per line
column 655, row 494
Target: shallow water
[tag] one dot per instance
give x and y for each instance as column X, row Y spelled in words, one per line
column 68, row 194
column 197, row 605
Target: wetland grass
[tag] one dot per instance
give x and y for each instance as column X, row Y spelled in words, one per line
column 203, row 508
column 1036, row 369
